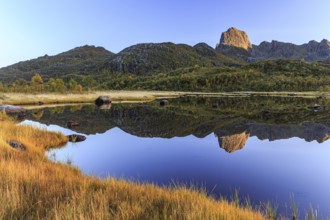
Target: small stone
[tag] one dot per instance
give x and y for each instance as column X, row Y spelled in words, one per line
column 76, row 138
column 17, row 145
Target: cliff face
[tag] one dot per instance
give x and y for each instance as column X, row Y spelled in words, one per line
column 236, row 43
column 235, row 38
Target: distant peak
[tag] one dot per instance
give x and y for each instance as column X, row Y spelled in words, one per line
column 325, row 41
column 235, row 38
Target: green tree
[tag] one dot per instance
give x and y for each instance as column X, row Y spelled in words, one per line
column 72, row 84
column 51, row 85
column 20, row 85
column 56, row 85
column 60, row 86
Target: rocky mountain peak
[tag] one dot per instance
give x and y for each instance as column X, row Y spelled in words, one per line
column 236, row 43
column 235, row 38
column 325, row 42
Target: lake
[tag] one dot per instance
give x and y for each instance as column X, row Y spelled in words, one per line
column 267, row 148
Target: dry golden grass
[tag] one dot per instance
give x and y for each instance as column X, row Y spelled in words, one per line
column 116, row 96
column 131, row 96
column 32, row 187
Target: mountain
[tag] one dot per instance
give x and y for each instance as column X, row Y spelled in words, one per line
column 234, row 38
column 312, row 51
column 151, row 58
column 169, row 66
column 79, row 60
column 236, row 43
column 140, row 59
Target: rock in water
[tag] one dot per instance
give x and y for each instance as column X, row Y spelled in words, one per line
column 101, row 100
column 76, row 138
column 12, row 109
column 235, row 38
column 17, row 112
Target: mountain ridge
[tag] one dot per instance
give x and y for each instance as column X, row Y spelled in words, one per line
column 88, row 63
column 139, row 59
column 236, row 43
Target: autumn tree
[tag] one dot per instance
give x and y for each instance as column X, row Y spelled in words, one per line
column 78, row 88
column 37, row 83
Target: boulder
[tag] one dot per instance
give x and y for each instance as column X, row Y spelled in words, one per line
column 76, row 138
column 12, row 109
column 164, row 102
column 17, row 112
column 101, row 100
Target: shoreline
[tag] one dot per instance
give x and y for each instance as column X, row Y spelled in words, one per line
column 137, row 96
column 34, row 187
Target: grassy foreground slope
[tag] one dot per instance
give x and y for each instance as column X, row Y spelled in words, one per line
column 32, row 187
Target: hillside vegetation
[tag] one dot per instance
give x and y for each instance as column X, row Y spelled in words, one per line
column 162, row 66
column 270, row 75
column 90, row 62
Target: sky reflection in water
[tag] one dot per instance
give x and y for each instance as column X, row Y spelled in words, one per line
column 263, row 170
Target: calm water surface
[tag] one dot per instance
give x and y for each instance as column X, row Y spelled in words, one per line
column 267, row 148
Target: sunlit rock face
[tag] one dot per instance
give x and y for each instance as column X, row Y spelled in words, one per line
column 231, row 143
column 235, row 38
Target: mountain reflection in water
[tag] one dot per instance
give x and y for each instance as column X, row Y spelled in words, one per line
column 233, row 120
column 180, row 142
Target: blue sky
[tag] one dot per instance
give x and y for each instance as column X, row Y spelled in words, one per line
column 33, row 28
